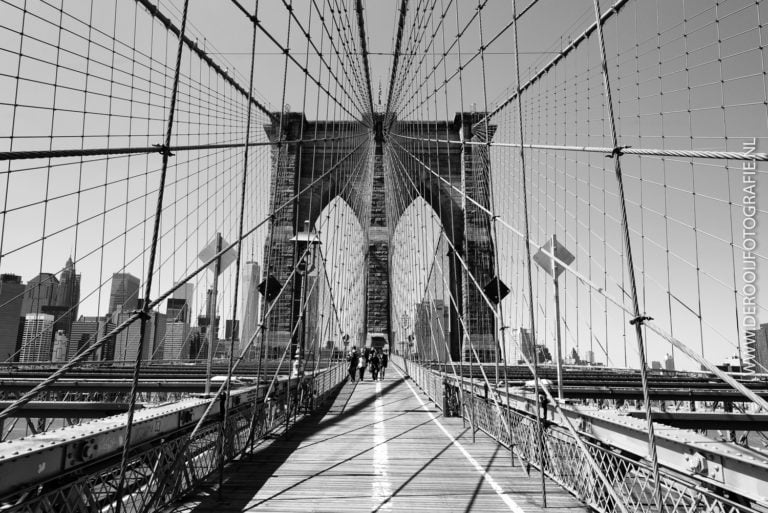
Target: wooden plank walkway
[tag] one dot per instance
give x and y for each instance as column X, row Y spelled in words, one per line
column 380, row 447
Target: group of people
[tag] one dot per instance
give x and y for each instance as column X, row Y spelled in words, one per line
column 375, row 360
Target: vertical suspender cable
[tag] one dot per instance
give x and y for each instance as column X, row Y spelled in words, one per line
column 151, row 267
column 238, row 258
column 638, row 320
column 535, row 356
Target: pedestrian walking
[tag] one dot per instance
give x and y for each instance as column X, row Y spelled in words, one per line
column 383, row 361
column 361, row 364
column 352, row 361
column 374, row 364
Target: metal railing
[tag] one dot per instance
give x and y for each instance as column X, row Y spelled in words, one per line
column 564, row 463
column 171, row 465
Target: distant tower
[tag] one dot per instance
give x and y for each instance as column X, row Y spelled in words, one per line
column 86, row 331
column 185, row 291
column 176, row 328
column 124, row 292
column 42, row 290
column 127, row 341
column 68, row 295
column 11, row 298
column 177, row 310
column 36, row 341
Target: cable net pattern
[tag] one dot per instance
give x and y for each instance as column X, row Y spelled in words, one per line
column 219, row 187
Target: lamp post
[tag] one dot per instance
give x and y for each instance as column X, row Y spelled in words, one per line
column 303, row 269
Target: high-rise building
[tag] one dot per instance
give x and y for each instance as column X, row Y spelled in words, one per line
column 127, row 341
column 204, row 323
column 185, row 291
column 60, row 342
column 41, row 291
column 157, row 337
column 669, row 362
column 176, row 340
column 177, row 310
column 124, row 293
column 60, row 317
column 11, row 299
column 36, row 341
column 177, row 331
column 86, row 331
column 68, row 295
column 250, row 302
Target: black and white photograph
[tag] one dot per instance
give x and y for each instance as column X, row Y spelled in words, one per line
column 383, row 256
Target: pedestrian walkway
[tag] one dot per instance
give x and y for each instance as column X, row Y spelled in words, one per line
column 380, row 447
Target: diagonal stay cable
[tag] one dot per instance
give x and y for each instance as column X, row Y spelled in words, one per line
column 154, row 10
column 577, row 437
column 28, row 396
column 364, row 46
column 600, row 290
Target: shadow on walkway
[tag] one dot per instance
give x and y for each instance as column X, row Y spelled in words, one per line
column 270, row 456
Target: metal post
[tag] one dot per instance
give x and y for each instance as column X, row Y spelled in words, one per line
column 559, row 348
column 300, row 284
column 539, row 423
column 212, row 316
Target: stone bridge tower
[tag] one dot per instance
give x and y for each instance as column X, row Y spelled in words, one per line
column 296, row 164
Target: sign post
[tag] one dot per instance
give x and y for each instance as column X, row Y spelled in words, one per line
column 222, row 262
column 554, row 269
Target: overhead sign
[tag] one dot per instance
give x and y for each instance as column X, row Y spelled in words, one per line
column 209, row 251
column 496, row 290
column 545, row 261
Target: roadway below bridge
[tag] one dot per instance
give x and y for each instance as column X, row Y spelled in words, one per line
column 382, row 446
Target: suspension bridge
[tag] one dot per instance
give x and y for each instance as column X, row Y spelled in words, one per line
column 548, row 215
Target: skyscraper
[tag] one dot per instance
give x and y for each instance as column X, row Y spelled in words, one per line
column 176, row 328
column 669, row 362
column 250, row 301
column 11, row 299
column 41, row 291
column 36, row 341
column 86, row 331
column 177, row 310
column 185, row 291
column 124, row 293
column 127, row 341
column 176, row 335
column 204, row 323
column 68, row 295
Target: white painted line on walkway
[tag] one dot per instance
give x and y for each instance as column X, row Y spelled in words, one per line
column 513, row 506
column 382, row 490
